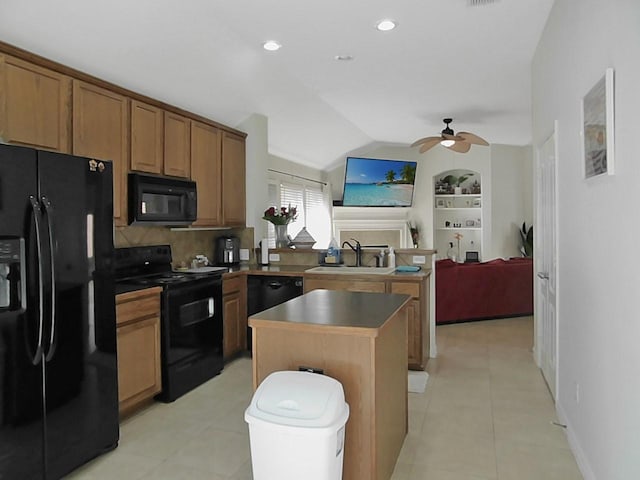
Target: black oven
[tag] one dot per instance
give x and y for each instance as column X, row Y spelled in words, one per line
column 190, row 315
column 191, row 335
column 155, row 200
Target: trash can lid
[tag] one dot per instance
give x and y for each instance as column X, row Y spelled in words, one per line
column 298, row 399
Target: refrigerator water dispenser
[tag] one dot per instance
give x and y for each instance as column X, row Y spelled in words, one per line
column 12, row 289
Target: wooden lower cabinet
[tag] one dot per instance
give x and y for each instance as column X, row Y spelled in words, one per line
column 418, row 310
column 418, row 324
column 234, row 316
column 349, row 285
column 138, row 337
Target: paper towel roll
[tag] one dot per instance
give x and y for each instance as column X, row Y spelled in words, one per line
column 264, row 251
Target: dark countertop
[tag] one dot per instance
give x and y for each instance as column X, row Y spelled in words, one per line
column 253, row 269
column 129, row 287
column 335, row 308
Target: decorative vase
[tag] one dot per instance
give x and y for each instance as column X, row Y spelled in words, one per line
column 457, row 190
column 282, row 240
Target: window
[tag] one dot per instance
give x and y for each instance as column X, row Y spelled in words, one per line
column 312, row 203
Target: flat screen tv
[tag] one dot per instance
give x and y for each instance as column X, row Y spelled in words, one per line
column 370, row 182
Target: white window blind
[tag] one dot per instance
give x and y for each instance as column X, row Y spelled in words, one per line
column 312, row 204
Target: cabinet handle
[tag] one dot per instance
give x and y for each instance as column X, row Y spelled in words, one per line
column 543, row 275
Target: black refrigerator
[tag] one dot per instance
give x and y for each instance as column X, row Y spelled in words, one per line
column 58, row 365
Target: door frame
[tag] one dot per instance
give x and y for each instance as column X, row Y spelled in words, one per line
column 537, row 347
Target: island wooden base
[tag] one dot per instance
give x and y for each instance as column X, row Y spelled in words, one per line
column 372, row 367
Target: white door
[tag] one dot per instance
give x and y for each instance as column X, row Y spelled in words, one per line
column 545, row 263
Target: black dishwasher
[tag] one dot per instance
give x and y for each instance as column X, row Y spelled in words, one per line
column 266, row 291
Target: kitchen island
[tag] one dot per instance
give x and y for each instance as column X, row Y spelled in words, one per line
column 360, row 339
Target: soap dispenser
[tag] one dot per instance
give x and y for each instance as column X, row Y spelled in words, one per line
column 333, row 253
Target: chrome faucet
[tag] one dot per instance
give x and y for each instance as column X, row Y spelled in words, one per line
column 357, row 249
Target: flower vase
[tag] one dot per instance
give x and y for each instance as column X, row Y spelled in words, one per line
column 282, row 240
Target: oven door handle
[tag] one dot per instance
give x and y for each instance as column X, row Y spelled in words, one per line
column 210, row 311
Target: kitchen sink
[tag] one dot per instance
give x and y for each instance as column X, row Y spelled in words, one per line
column 346, row 270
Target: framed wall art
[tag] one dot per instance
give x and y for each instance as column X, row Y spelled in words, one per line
column 598, row 128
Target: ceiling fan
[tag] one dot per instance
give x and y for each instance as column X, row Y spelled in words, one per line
column 460, row 143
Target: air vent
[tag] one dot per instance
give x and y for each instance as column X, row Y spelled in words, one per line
column 477, row 3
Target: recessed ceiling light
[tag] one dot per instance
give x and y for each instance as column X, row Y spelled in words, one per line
column 386, row 25
column 271, row 45
column 344, row 58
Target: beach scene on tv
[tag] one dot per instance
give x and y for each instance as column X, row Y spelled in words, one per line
column 378, row 183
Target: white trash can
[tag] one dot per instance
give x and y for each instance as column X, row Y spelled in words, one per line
column 296, row 427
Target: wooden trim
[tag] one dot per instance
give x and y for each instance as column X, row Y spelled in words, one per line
column 79, row 75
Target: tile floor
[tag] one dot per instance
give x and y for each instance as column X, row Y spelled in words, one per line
column 486, row 414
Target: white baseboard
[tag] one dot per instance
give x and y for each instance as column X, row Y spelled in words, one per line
column 574, row 444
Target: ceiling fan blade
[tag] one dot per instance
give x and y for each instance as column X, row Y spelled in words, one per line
column 460, row 147
column 456, row 138
column 429, row 143
column 425, row 140
column 473, row 138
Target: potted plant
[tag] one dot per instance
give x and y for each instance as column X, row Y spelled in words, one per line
column 456, row 182
column 526, row 236
column 280, row 219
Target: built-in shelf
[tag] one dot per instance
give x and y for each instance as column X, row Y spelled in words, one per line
column 459, row 208
column 464, row 209
column 460, row 228
column 450, row 195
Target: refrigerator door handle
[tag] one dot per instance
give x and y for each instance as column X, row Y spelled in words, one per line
column 48, row 210
column 37, row 213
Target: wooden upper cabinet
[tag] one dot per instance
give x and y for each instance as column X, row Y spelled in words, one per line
column 206, row 171
column 35, row 106
column 147, row 134
column 233, row 179
column 100, row 130
column 177, row 145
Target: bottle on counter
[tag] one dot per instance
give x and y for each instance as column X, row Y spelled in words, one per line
column 380, row 259
column 391, row 260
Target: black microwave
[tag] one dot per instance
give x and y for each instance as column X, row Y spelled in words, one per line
column 155, row 200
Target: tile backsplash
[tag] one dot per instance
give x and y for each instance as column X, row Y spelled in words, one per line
column 185, row 244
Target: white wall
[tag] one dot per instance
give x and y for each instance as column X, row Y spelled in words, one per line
column 283, row 165
column 507, row 169
column 598, row 232
column 440, row 159
column 257, row 129
column 511, row 197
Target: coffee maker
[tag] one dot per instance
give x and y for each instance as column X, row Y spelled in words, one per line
column 227, row 250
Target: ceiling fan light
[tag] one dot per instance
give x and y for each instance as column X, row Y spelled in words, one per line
column 447, row 143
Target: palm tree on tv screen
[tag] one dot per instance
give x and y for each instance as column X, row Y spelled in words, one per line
column 408, row 173
column 390, row 176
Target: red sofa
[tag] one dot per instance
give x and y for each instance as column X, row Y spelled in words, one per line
column 475, row 291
